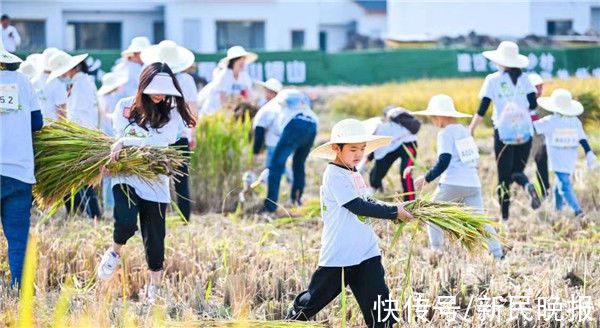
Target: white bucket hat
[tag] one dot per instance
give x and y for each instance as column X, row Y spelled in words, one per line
column 162, row 84
column 29, row 69
column 237, row 52
column 535, row 79
column 47, row 54
column 441, row 105
column 61, row 62
column 349, row 131
column 138, row 44
column 178, row 58
column 507, row 55
column 6, row 57
column 271, row 84
column 111, row 81
column 561, row 102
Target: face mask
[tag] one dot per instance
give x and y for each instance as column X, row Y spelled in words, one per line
column 65, row 80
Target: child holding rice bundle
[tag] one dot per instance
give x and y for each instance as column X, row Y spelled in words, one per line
column 563, row 132
column 348, row 244
column 148, row 119
column 458, row 156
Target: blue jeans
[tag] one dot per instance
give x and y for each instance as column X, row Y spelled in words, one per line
column 15, row 207
column 289, row 175
column 297, row 138
column 563, row 191
column 107, row 195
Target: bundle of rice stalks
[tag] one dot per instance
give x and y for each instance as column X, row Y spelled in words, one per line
column 459, row 222
column 68, row 157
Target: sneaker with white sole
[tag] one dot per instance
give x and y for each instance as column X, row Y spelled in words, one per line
column 152, row 293
column 109, row 263
column 533, row 196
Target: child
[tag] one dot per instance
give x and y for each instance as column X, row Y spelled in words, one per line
column 457, row 165
column 403, row 127
column 563, row 132
column 348, row 242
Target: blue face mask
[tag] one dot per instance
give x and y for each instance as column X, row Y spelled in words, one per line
column 65, row 79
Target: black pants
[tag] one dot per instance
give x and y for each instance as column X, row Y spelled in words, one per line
column 541, row 162
column 85, row 201
column 182, row 187
column 152, row 222
column 382, row 166
column 366, row 281
column 511, row 161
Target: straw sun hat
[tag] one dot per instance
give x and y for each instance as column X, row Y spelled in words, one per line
column 271, row 84
column 507, row 55
column 441, row 105
column 349, row 131
column 61, row 62
column 237, row 52
column 111, row 81
column 137, row 44
column 561, row 102
column 178, row 58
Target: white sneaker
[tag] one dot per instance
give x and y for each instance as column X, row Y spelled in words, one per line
column 110, row 261
column 152, row 292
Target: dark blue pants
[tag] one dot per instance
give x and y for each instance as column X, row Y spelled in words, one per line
column 297, row 138
column 15, row 208
column 85, row 201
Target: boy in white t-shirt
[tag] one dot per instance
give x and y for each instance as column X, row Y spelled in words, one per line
column 564, row 132
column 457, row 166
column 348, row 243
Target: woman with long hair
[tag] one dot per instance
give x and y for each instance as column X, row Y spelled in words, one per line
column 150, row 118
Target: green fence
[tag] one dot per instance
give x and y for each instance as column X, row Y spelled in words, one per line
column 379, row 66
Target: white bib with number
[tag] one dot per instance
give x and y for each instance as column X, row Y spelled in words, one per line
column 565, row 138
column 467, row 150
column 9, row 98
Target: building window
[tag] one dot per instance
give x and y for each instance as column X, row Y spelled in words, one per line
column 158, row 31
column 297, row 39
column 250, row 35
column 322, row 40
column 32, row 32
column 559, row 27
column 596, row 19
column 92, row 36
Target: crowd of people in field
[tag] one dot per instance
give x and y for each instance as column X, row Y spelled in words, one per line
column 151, row 98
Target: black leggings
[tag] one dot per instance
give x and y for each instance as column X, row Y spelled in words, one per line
column 85, row 201
column 382, row 166
column 152, row 222
column 366, row 281
column 182, row 187
column 510, row 161
column 541, row 162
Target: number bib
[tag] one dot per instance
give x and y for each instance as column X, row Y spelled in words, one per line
column 467, row 150
column 9, row 98
column 565, row 138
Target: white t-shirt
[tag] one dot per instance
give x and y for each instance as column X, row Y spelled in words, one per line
column 562, row 135
column 345, row 240
column 266, row 117
column 82, row 104
column 399, row 134
column 133, row 135
column 16, row 105
column 133, row 71
column 500, row 89
column 11, row 38
column 51, row 95
column 460, row 172
column 225, row 82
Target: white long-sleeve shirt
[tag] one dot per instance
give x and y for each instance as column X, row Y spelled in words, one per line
column 11, row 38
column 82, row 104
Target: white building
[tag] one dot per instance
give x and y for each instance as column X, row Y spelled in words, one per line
column 204, row 26
column 499, row 18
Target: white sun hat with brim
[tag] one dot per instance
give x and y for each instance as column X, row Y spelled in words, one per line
column 237, row 52
column 162, row 84
column 535, row 79
column 46, row 55
column 349, row 131
column 29, row 69
column 61, row 62
column 178, row 58
column 507, row 55
column 561, row 102
column 138, row 44
column 271, row 84
column 111, row 81
column 441, row 105
column 6, row 57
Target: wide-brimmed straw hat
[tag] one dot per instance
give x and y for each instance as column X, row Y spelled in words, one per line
column 349, row 131
column 162, row 84
column 561, row 102
column 46, row 55
column 271, row 84
column 6, row 57
column 237, row 52
column 178, row 58
column 111, row 81
column 138, row 44
column 535, row 79
column 61, row 62
column 507, row 55
column 441, row 105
